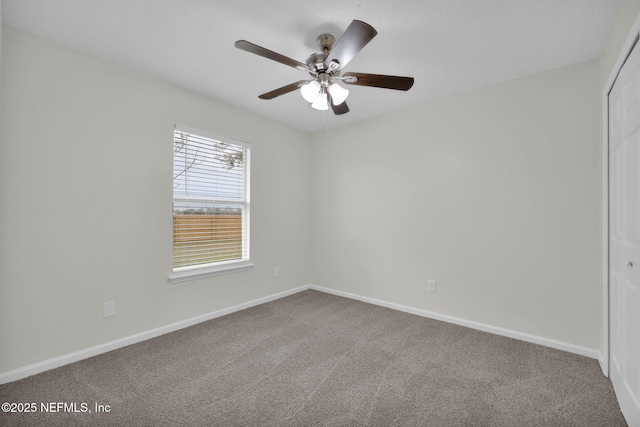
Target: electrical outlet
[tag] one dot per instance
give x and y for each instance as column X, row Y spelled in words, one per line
column 431, row 285
column 109, row 309
column 276, row 272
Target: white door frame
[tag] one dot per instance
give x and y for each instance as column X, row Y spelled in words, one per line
column 622, row 56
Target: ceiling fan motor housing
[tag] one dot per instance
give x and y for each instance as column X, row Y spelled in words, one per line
column 316, row 61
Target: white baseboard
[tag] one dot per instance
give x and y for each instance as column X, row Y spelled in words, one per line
column 547, row 342
column 603, row 364
column 46, row 365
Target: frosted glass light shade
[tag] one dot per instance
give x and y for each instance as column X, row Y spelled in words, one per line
column 311, row 91
column 321, row 103
column 338, row 94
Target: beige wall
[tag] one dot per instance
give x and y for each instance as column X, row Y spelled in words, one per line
column 87, row 149
column 492, row 193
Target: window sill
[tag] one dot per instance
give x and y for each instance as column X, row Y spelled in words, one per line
column 194, row 273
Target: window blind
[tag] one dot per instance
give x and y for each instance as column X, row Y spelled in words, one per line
column 210, row 199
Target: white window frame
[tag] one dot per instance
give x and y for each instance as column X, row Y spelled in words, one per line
column 193, row 272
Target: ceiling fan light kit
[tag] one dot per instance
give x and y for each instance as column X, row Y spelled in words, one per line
column 316, row 92
column 321, row 103
column 310, row 91
column 325, row 67
column 338, row 93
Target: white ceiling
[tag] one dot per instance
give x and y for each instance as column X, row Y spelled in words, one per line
column 448, row 46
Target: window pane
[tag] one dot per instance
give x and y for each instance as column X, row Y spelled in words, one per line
column 206, row 168
column 210, row 200
column 205, row 233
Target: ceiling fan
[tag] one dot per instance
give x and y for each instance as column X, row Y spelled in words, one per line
column 325, row 67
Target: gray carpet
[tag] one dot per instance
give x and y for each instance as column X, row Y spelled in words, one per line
column 314, row 359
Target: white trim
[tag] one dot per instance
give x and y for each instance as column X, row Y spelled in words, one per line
column 622, row 56
column 192, row 273
column 56, row 362
column 604, row 363
column 535, row 339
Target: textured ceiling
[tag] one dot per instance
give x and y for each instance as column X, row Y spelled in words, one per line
column 448, row 46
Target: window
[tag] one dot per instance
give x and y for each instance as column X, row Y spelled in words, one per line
column 210, row 205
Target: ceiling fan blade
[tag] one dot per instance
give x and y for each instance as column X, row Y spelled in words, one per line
column 378, row 80
column 284, row 89
column 269, row 54
column 355, row 37
column 338, row 109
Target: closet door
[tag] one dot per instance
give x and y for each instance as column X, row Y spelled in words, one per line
column 624, row 237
